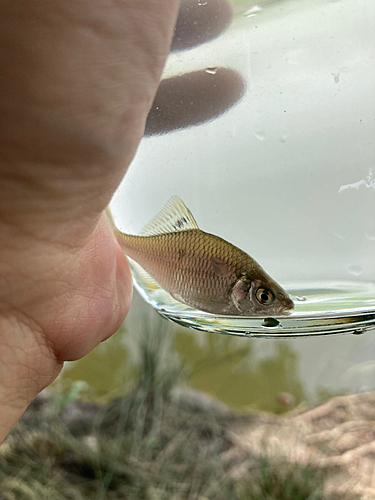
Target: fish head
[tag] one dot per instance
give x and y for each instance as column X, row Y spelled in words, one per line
column 255, row 297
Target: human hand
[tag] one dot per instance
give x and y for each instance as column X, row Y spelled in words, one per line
column 77, row 82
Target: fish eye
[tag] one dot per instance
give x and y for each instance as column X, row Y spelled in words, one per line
column 264, row 296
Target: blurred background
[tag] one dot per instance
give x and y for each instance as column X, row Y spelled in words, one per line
column 246, row 374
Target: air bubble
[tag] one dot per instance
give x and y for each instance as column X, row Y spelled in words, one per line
column 359, row 331
column 270, row 322
column 301, row 298
column 211, row 71
column 202, row 2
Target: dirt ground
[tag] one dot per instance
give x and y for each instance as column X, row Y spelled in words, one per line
column 338, row 436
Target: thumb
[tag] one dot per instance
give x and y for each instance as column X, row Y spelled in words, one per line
column 101, row 288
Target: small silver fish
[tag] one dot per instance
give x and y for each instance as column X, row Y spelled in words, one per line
column 203, row 270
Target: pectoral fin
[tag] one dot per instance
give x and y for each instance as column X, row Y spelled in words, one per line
column 178, row 297
column 210, row 305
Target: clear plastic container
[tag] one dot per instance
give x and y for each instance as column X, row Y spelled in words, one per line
column 267, row 133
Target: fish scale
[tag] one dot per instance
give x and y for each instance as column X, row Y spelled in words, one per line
column 201, row 269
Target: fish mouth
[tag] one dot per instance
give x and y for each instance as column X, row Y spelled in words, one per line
column 287, row 312
column 287, row 308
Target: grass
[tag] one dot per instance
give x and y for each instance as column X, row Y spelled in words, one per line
column 149, row 445
column 184, row 465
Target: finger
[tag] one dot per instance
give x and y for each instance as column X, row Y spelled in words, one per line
column 200, row 21
column 95, row 298
column 193, row 98
column 77, row 81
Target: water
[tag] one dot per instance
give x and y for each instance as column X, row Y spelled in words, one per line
column 323, row 308
column 269, row 140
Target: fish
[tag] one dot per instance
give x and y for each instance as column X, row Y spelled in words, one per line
column 202, row 270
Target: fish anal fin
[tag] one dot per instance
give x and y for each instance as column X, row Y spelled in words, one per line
column 142, row 276
column 174, row 217
column 220, row 267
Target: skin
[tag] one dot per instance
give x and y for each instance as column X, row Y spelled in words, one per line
column 77, row 83
column 78, row 79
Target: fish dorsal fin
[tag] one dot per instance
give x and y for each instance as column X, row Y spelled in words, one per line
column 174, row 217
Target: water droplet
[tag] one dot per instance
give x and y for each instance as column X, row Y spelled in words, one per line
column 355, row 269
column 359, row 331
column 370, row 235
column 260, row 136
column 339, row 236
column 283, row 138
column 270, row 322
column 301, row 298
column 211, row 71
column 253, row 11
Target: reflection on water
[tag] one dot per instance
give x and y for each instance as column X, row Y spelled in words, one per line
column 244, row 373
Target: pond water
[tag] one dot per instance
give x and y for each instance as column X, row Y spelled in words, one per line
column 243, row 373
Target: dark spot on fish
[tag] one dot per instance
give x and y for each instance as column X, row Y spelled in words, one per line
column 180, row 222
column 270, row 322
